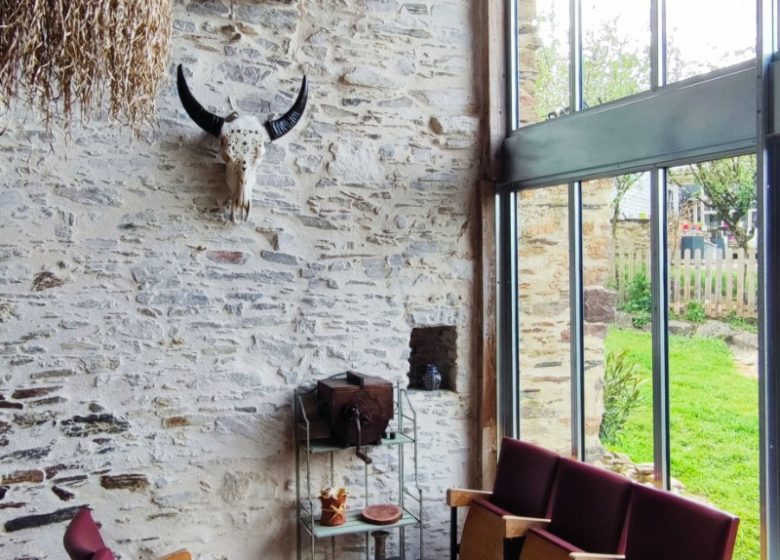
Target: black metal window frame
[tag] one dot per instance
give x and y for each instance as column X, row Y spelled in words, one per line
column 678, row 127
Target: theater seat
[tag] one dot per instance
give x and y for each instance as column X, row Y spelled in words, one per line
column 588, row 514
column 668, row 526
column 498, row 520
column 82, row 539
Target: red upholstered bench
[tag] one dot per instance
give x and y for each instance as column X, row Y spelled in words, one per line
column 546, row 507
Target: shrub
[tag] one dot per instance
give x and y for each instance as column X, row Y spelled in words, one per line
column 741, row 323
column 695, row 312
column 639, row 299
column 622, row 382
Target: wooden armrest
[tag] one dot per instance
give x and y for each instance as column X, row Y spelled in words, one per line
column 182, row 554
column 515, row 526
column 460, row 497
column 596, row 556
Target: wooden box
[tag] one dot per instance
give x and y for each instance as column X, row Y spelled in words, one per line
column 342, row 403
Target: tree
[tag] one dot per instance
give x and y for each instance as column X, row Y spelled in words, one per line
column 729, row 188
column 612, row 67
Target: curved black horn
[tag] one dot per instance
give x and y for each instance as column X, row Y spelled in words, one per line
column 209, row 122
column 279, row 127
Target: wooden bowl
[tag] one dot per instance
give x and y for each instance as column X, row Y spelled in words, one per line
column 381, row 514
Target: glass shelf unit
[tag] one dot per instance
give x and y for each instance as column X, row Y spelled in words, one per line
column 307, row 449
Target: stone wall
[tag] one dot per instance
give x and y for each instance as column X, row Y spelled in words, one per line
column 149, row 348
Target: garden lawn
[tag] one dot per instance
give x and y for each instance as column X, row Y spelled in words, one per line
column 714, row 426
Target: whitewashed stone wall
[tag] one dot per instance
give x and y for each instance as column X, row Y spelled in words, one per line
column 149, row 348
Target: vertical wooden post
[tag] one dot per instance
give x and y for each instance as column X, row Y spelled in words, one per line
column 489, row 31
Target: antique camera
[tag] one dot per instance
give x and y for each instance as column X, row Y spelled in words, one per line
column 357, row 408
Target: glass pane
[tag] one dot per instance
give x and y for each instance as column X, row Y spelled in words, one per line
column 618, row 343
column 704, row 35
column 543, row 276
column 543, row 42
column 615, row 50
column 713, row 345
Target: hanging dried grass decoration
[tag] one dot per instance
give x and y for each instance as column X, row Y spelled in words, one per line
column 65, row 55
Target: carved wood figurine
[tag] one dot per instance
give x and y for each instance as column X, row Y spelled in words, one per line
column 242, row 141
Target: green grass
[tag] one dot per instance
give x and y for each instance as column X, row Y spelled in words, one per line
column 714, row 426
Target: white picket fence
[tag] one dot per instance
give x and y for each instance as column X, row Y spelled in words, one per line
column 717, row 280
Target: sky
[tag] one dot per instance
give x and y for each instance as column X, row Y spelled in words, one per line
column 706, row 32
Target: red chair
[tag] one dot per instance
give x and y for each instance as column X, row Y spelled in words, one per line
column 588, row 514
column 497, row 520
column 82, row 539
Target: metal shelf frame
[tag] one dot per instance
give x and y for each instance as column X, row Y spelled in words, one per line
column 307, row 448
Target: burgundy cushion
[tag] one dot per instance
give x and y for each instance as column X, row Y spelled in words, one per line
column 104, row 554
column 524, row 478
column 589, row 506
column 82, row 537
column 555, row 540
column 668, row 526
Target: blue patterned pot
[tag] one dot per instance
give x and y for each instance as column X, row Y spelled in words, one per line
column 432, row 377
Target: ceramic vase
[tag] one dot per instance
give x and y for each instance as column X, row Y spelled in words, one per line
column 432, row 377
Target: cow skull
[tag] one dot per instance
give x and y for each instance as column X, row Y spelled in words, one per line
column 242, row 141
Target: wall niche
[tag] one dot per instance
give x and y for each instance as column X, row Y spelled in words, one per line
column 433, row 345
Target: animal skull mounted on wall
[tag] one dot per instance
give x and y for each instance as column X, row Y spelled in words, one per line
column 242, row 141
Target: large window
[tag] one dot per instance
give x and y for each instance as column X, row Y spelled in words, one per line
column 633, row 260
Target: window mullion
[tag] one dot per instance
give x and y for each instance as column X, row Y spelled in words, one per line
column 575, row 55
column 657, row 43
column 512, row 67
column 576, row 329
column 659, row 273
column 508, row 385
column 768, row 239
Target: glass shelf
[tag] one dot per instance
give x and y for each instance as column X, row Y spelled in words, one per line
column 331, row 444
column 354, row 525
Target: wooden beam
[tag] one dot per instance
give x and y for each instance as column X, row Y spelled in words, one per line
column 490, row 29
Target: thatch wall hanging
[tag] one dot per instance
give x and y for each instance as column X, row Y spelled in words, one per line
column 64, row 57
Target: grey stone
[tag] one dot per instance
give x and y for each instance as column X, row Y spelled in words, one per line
column 84, row 426
column 207, row 7
column 744, row 340
column 90, row 196
column 714, row 329
column 242, row 73
column 368, row 76
column 281, row 258
column 280, row 20
column 317, row 222
column 7, row 312
column 681, row 328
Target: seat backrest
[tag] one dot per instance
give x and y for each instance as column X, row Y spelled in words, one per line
column 82, row 537
column 589, row 507
column 524, row 478
column 668, row 526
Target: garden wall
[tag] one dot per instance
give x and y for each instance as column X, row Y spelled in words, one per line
column 544, row 313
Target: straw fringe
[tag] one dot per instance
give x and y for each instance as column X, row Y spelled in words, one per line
column 63, row 56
